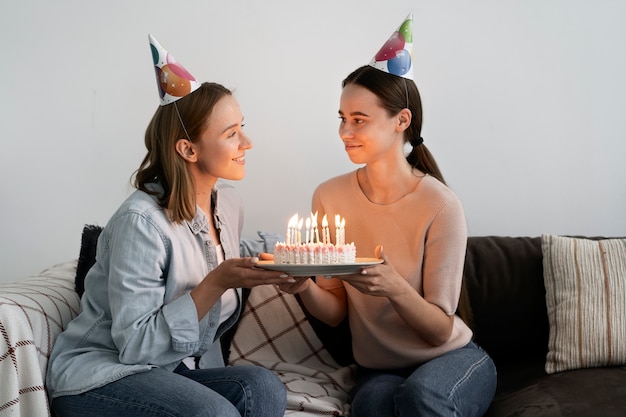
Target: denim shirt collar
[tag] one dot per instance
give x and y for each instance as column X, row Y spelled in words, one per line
column 200, row 221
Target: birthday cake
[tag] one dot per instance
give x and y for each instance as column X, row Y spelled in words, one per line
column 312, row 250
column 314, row 253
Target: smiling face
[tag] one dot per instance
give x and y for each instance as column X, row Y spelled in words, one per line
column 367, row 130
column 220, row 151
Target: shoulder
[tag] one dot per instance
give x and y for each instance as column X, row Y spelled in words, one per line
column 140, row 203
column 141, row 207
column 338, row 183
column 437, row 191
column 441, row 200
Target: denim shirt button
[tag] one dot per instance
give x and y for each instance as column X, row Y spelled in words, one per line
column 196, row 227
column 212, row 324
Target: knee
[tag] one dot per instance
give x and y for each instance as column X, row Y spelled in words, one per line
column 468, row 396
column 418, row 393
column 267, row 385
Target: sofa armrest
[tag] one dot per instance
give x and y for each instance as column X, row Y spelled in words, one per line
column 33, row 312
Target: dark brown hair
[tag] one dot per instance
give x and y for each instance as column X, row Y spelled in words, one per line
column 162, row 164
column 397, row 93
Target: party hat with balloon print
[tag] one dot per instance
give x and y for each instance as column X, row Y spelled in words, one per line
column 173, row 80
column 396, row 57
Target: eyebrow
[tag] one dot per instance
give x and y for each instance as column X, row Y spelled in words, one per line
column 355, row 113
column 232, row 126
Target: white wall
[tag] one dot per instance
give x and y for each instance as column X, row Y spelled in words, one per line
column 524, row 107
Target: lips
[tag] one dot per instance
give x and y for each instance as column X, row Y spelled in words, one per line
column 351, row 146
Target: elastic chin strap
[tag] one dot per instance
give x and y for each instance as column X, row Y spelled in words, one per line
column 181, row 122
column 406, row 93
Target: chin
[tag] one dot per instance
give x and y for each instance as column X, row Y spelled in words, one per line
column 356, row 160
column 236, row 177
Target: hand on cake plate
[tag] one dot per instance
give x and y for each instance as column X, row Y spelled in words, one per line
column 381, row 280
column 300, row 284
column 242, row 273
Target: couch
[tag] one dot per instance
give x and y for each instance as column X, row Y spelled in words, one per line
column 550, row 310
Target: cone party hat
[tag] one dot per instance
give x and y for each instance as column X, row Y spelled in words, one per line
column 395, row 56
column 173, row 80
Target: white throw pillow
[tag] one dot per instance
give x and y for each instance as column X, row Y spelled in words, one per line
column 585, row 283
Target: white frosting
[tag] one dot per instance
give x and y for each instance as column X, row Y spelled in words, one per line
column 314, row 253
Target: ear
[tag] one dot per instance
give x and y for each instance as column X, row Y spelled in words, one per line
column 186, row 150
column 404, row 119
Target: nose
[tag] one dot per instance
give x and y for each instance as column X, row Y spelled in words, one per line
column 344, row 132
column 245, row 142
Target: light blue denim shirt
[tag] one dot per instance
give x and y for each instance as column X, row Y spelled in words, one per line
column 136, row 312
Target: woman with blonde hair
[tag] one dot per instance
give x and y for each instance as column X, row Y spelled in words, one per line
column 167, row 280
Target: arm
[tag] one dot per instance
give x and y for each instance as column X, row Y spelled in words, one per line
column 155, row 319
column 328, row 304
column 429, row 310
column 426, row 318
column 232, row 273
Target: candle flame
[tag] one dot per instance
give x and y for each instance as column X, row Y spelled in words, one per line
column 324, row 221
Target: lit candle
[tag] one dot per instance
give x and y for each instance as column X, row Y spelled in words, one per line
column 317, row 233
column 325, row 236
column 291, row 226
column 337, row 225
column 300, row 231
column 308, row 230
column 342, row 232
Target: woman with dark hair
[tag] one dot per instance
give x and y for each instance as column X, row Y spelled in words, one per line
column 415, row 355
column 167, row 280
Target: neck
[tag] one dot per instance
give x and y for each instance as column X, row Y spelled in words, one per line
column 383, row 184
column 203, row 187
column 203, row 199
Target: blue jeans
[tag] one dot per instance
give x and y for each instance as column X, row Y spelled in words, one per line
column 240, row 391
column 461, row 383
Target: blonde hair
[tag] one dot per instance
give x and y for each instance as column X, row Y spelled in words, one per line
column 183, row 119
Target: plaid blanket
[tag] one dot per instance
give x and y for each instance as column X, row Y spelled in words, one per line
column 275, row 333
column 33, row 312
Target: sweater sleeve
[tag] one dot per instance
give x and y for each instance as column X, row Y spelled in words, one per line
column 444, row 256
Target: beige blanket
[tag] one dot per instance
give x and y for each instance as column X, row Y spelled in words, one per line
column 33, row 312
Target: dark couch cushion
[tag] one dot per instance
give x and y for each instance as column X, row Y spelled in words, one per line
column 504, row 283
column 580, row 393
column 87, row 256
